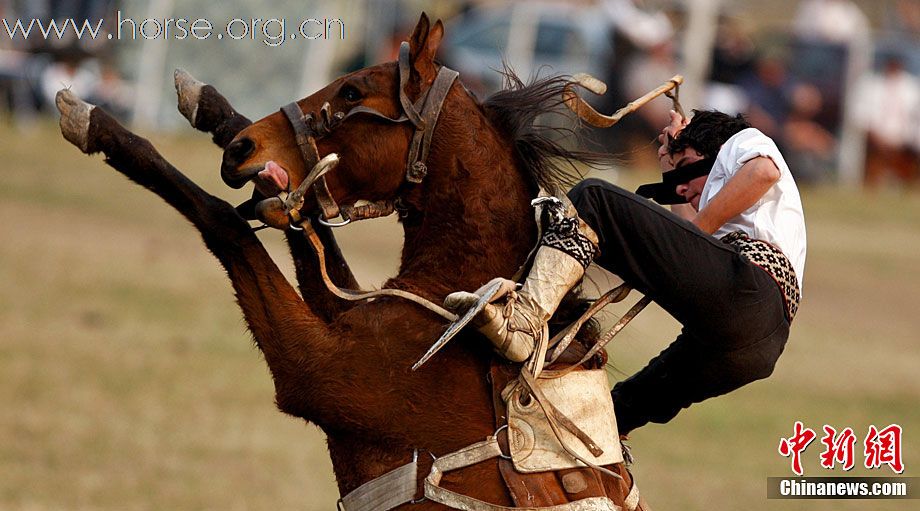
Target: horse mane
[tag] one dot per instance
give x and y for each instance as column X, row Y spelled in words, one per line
column 534, row 117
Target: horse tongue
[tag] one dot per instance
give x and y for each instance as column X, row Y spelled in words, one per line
column 275, row 174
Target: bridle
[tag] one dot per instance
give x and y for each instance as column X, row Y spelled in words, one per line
column 423, row 115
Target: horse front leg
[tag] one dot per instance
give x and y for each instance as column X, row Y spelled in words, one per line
column 294, row 340
column 209, row 111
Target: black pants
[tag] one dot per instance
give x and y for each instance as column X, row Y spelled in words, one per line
column 732, row 312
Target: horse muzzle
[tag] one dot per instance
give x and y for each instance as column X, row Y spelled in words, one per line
column 235, row 155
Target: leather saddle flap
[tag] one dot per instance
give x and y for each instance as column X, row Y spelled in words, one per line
column 582, row 396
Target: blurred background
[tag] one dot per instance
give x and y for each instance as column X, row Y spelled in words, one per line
column 127, row 380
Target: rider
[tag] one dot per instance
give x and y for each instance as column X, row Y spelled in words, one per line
column 730, row 271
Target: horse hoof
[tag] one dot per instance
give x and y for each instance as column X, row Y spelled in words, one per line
column 189, row 91
column 75, row 117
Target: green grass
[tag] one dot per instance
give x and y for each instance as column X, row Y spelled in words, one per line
column 128, row 381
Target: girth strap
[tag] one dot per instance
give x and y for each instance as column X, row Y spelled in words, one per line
column 386, row 492
column 477, row 453
column 398, row 486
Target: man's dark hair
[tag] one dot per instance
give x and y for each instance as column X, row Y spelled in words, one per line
column 707, row 131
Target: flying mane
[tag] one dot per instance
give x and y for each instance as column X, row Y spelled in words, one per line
column 533, row 116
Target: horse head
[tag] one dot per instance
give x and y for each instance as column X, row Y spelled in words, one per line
column 368, row 118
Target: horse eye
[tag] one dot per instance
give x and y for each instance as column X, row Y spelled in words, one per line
column 350, row 93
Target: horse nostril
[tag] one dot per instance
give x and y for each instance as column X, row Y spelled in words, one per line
column 238, row 150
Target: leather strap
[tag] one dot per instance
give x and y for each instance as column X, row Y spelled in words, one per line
column 563, row 339
column 303, row 134
column 353, row 295
column 632, row 498
column 603, row 339
column 416, row 168
column 325, row 200
column 477, row 453
column 386, row 492
column 404, row 74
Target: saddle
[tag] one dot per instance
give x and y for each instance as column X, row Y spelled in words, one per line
column 556, row 442
column 548, row 488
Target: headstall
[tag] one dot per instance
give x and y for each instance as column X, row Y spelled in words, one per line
column 423, row 114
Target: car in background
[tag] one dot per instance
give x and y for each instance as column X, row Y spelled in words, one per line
column 532, row 38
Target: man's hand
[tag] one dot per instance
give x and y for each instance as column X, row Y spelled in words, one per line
column 678, row 122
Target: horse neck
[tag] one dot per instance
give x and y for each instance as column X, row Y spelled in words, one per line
column 472, row 220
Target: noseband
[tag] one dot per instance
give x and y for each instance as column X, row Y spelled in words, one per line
column 423, row 114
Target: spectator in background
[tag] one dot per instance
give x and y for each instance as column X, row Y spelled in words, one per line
column 72, row 67
column 809, row 148
column 641, row 28
column 732, row 53
column 887, row 108
column 907, row 17
column 732, row 59
column 769, row 89
column 644, row 59
column 829, row 21
column 644, row 72
column 45, row 64
column 831, row 43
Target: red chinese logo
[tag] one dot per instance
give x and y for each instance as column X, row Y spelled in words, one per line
column 881, row 447
column 884, row 448
column 838, row 448
column 794, row 445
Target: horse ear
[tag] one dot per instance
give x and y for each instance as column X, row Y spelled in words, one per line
column 423, row 45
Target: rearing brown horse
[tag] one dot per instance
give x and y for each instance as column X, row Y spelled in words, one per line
column 346, row 367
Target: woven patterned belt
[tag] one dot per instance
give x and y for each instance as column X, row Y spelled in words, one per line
column 773, row 261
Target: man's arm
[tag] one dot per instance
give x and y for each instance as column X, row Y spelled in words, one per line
column 684, row 211
column 752, row 181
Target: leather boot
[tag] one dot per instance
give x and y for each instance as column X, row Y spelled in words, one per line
column 516, row 320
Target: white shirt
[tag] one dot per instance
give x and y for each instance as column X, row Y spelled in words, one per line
column 777, row 217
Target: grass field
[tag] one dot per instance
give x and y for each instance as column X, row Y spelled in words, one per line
column 128, row 381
